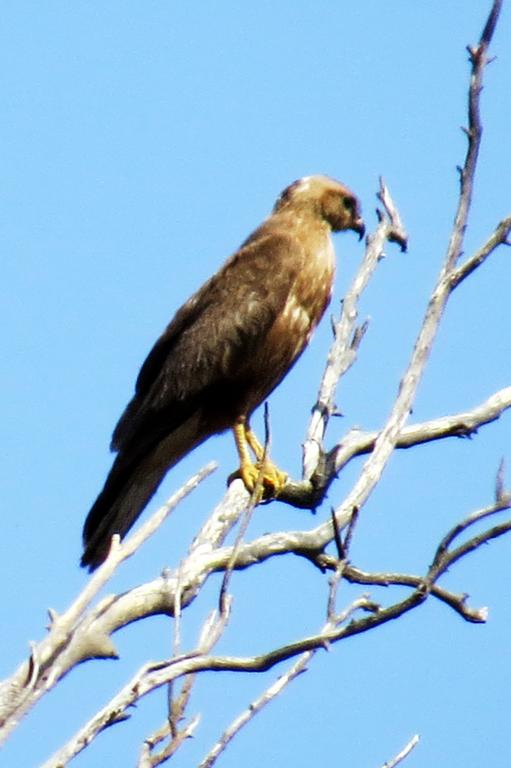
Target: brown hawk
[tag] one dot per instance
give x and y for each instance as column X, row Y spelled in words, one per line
column 223, row 353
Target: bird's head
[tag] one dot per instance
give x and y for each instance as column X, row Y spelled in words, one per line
column 326, row 198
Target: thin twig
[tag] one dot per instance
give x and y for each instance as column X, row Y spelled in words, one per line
column 499, row 481
column 497, row 238
column 404, row 753
column 502, row 503
column 149, row 759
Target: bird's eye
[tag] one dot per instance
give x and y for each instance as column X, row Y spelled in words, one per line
column 349, row 203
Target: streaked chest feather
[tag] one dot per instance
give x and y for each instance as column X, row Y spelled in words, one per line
column 312, row 290
column 307, row 300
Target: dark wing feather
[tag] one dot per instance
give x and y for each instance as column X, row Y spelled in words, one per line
column 210, row 336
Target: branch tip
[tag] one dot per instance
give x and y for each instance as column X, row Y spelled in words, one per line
column 500, row 481
column 397, row 233
column 54, row 618
column 341, row 552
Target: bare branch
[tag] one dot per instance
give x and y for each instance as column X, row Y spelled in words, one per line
column 357, row 443
column 397, row 233
column 458, row 602
column 499, row 237
column 155, row 675
column 70, row 639
column 499, row 481
column 312, row 545
column 478, row 60
column 255, row 706
column 148, row 758
column 504, row 502
column 297, row 668
column 463, row 424
column 346, row 338
column 404, row 753
column 141, row 684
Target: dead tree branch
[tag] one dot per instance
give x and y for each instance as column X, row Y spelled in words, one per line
column 155, row 675
column 403, row 753
column 75, row 635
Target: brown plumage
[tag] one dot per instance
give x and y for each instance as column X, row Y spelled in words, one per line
column 223, row 353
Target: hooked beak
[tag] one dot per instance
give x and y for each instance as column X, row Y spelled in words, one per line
column 359, row 227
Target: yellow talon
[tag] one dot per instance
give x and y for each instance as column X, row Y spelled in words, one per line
column 272, row 479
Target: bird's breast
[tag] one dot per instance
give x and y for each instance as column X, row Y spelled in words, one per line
column 312, row 291
column 308, row 297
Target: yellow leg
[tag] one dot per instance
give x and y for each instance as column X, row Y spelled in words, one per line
column 272, row 479
column 242, row 443
column 255, row 445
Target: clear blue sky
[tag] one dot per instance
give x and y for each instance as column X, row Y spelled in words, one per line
column 141, row 143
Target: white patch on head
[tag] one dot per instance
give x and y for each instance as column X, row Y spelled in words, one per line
column 305, row 183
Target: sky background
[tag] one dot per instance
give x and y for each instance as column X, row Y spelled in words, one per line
column 140, row 144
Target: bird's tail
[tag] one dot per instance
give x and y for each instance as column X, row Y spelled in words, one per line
column 131, row 483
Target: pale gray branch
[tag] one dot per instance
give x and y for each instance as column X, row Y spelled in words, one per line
column 75, row 635
column 141, row 684
column 463, row 424
column 343, row 351
column 358, row 442
column 403, row 753
column 499, row 237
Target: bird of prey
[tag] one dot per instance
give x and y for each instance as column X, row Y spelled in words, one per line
column 223, row 353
